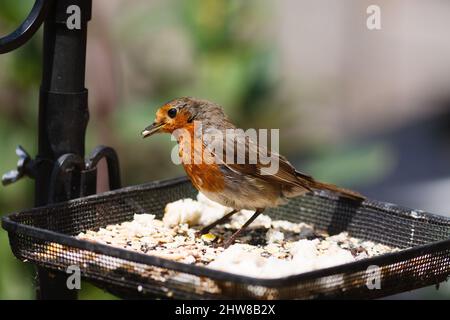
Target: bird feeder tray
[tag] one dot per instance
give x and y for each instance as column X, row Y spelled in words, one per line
column 45, row 236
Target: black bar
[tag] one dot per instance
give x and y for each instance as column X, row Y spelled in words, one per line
column 63, row 114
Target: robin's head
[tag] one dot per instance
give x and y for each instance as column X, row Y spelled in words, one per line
column 181, row 112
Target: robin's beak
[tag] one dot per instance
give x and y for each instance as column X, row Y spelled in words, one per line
column 152, row 129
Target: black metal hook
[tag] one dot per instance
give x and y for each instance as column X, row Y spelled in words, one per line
column 65, row 166
column 28, row 28
column 112, row 161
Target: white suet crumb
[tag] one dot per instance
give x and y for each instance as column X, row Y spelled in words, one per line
column 274, row 235
column 189, row 259
column 182, row 211
column 242, row 261
column 286, row 225
column 203, row 211
column 204, row 200
column 193, row 212
column 145, row 220
column 211, row 211
column 305, row 257
column 237, row 259
column 306, row 253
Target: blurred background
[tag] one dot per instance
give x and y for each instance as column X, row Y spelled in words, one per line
column 364, row 109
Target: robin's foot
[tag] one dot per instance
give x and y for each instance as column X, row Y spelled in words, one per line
column 233, row 237
column 206, row 229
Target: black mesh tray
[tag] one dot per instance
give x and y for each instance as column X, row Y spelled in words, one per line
column 44, row 236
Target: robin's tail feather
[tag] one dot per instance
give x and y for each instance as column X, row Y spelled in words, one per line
column 353, row 195
column 313, row 184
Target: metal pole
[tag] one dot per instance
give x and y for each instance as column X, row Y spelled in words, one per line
column 63, row 113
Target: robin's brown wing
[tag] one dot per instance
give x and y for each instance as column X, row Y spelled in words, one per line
column 250, row 159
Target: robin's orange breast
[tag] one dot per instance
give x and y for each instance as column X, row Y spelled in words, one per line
column 205, row 177
column 199, row 164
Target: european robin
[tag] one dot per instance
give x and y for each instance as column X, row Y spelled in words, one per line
column 243, row 184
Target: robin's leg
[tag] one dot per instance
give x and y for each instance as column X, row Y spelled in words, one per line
column 245, row 225
column 206, row 229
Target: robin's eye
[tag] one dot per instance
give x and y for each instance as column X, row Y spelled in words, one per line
column 172, row 112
